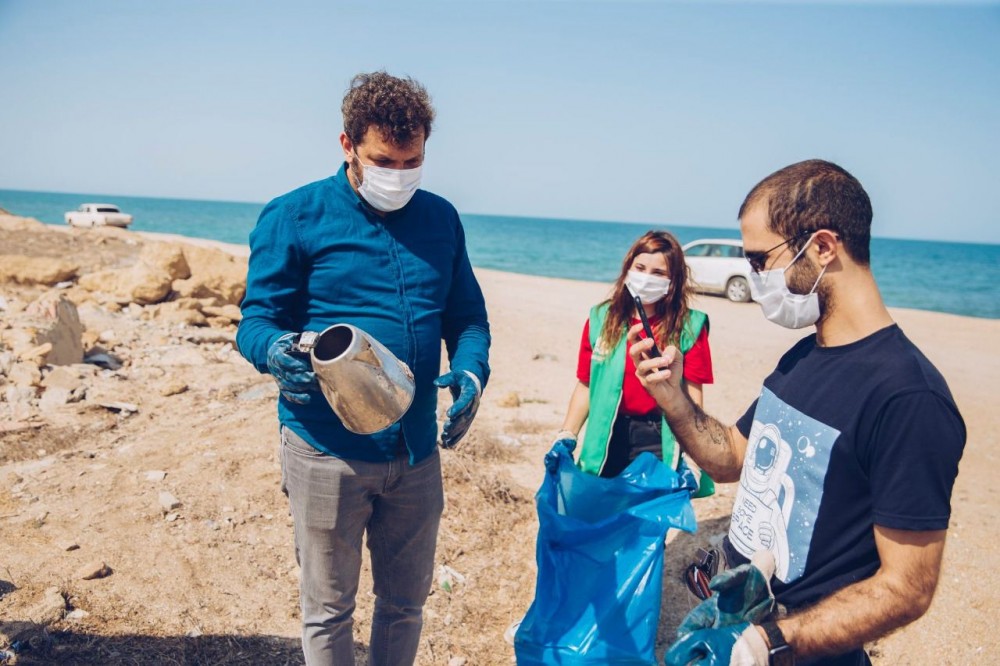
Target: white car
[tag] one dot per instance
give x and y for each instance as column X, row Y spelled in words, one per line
column 98, row 215
column 718, row 266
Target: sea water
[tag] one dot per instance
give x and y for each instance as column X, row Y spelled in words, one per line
column 961, row 278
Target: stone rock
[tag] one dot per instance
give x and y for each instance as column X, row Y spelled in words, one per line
column 63, row 376
column 221, row 322
column 174, row 387
column 77, row 614
column 17, row 223
column 179, row 356
column 186, row 311
column 53, row 398
column 150, row 284
column 141, row 283
column 36, row 355
column 6, row 362
column 169, row 257
column 202, row 337
column 89, row 339
column 58, row 323
column 67, row 545
column 35, row 270
column 25, row 374
column 168, row 501
column 457, row 661
column 261, row 391
column 214, row 273
column 92, row 570
column 17, row 400
column 50, row 608
column 511, row 399
column 156, row 475
column 228, row 311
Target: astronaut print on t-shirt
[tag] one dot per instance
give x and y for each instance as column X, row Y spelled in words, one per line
column 781, row 485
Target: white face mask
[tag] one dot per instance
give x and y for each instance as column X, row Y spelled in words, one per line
column 388, row 189
column 648, row 287
column 778, row 303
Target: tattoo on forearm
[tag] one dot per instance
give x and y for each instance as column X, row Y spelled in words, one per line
column 709, row 442
column 707, row 426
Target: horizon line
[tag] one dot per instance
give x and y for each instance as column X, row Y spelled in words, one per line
column 479, row 214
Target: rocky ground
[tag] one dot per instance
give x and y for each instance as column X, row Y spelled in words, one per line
column 141, row 520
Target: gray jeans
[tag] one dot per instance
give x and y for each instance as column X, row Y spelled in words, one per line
column 334, row 503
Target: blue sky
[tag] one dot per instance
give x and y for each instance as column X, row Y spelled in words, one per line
column 654, row 112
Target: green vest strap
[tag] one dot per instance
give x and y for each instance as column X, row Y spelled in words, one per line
column 607, row 373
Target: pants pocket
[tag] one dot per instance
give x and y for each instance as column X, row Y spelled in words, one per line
column 293, row 443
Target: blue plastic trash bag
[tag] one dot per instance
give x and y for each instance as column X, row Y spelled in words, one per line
column 600, row 562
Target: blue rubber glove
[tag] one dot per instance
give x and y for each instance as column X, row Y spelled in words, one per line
column 292, row 370
column 465, row 391
column 740, row 594
column 736, row 645
column 566, row 439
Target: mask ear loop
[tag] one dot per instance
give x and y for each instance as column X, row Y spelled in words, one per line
column 358, row 176
column 796, row 257
column 818, row 278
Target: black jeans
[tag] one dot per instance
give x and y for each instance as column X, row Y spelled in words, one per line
column 630, row 436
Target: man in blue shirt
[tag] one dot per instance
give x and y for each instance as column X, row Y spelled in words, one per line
column 368, row 248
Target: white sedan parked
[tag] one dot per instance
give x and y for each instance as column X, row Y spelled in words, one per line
column 98, row 215
column 718, row 266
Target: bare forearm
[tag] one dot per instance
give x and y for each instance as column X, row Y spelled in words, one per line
column 855, row 615
column 716, row 448
column 697, row 393
column 713, row 446
column 579, row 408
column 899, row 593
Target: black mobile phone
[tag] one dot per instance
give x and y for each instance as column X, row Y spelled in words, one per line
column 654, row 352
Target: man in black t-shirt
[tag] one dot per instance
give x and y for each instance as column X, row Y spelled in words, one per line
column 846, row 460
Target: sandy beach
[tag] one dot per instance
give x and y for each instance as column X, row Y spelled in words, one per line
column 213, row 580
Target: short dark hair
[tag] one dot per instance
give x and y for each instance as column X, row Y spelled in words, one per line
column 812, row 195
column 397, row 108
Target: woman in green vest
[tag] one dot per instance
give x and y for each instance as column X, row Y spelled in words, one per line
column 622, row 420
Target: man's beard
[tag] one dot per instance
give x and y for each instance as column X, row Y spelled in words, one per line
column 801, row 278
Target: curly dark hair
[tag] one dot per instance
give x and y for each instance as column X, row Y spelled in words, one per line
column 812, row 195
column 396, row 107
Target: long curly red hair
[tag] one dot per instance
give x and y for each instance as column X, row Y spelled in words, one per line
column 672, row 309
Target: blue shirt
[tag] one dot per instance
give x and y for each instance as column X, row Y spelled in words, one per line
column 320, row 256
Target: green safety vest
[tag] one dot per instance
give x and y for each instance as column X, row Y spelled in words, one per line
column 607, row 372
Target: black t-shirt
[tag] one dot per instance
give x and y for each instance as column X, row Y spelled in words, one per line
column 842, row 439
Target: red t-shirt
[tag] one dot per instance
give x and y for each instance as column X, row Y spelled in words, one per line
column 635, row 400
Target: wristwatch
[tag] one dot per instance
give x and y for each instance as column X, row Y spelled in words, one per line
column 780, row 653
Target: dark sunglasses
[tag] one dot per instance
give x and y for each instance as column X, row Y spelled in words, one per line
column 758, row 260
